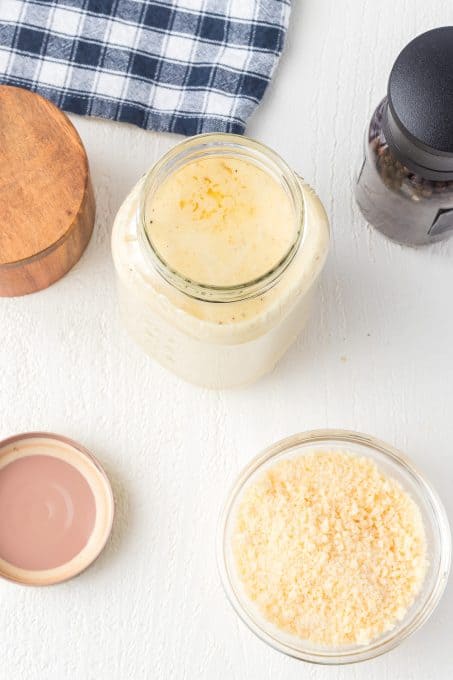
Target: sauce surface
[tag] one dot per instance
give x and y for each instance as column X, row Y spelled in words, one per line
column 221, row 221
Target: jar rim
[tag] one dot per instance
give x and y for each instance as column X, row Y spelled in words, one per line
column 217, row 143
column 422, row 607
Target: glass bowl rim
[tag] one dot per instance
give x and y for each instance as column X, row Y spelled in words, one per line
column 340, row 438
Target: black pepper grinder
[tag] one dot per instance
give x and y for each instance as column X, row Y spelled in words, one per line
column 405, row 187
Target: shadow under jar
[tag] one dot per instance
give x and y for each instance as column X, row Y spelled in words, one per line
column 218, row 308
column 405, row 187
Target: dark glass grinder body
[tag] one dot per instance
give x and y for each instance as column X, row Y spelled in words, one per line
column 405, row 206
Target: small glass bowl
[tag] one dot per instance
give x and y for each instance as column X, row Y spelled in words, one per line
column 391, row 463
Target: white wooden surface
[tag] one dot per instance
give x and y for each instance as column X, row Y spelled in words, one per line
column 378, row 357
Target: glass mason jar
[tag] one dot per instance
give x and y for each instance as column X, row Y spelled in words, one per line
column 216, row 336
column 405, row 187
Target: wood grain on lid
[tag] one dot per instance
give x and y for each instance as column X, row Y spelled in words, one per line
column 45, row 191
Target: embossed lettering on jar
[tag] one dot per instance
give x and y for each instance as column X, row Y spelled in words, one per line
column 217, row 252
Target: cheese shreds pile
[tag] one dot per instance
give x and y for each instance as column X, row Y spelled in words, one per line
column 329, row 549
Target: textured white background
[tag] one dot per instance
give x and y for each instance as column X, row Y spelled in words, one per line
column 377, row 356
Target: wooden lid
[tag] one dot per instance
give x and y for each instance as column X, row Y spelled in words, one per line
column 46, row 202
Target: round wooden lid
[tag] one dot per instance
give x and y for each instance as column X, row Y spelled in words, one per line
column 46, row 202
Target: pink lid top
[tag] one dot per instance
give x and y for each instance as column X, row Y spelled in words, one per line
column 56, row 508
column 47, row 512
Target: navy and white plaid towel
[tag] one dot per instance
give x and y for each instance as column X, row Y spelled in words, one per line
column 185, row 66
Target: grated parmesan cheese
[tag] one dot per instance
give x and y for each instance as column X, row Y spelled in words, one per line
column 329, row 549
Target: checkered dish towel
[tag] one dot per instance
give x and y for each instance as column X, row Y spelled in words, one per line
column 185, row 66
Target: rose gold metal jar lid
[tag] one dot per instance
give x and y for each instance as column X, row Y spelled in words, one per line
column 56, row 508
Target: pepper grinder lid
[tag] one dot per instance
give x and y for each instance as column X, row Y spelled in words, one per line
column 46, row 198
column 419, row 121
